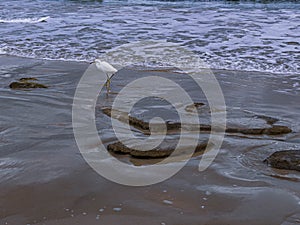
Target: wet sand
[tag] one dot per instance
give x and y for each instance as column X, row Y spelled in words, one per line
column 45, row 180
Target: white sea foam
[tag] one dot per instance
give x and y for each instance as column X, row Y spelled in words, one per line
column 25, row 20
column 2, row 52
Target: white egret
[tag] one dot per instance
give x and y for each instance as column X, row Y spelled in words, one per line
column 108, row 69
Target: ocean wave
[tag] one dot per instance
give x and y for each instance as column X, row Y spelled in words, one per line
column 229, row 37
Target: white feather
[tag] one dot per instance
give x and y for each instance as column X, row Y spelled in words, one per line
column 105, row 67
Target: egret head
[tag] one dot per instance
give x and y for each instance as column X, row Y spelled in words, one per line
column 97, row 62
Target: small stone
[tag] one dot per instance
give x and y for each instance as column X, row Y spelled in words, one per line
column 167, row 202
column 117, row 209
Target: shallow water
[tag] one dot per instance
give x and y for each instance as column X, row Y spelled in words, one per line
column 238, row 36
column 44, row 179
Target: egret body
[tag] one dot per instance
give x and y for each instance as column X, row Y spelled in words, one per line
column 108, row 69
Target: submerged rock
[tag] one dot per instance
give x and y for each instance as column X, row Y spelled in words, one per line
column 269, row 120
column 288, row 159
column 138, row 123
column 274, row 130
column 25, row 83
column 25, row 79
column 196, row 105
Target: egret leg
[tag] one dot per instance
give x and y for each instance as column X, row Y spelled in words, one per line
column 107, row 84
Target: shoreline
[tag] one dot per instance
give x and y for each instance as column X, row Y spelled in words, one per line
column 215, row 70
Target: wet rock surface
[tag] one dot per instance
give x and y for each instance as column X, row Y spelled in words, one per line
column 26, row 83
column 196, row 105
column 274, row 130
column 161, row 151
column 139, row 123
column 288, row 159
column 258, row 125
column 239, row 122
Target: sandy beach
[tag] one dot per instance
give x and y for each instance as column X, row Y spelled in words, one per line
column 45, row 180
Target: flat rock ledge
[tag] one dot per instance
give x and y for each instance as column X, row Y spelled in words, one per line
column 159, row 152
column 173, row 126
column 274, row 130
column 288, row 160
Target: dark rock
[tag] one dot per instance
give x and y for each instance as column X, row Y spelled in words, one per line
column 292, row 43
column 25, row 79
column 276, row 130
column 232, row 130
column 138, row 123
column 251, row 131
column 196, row 105
column 162, row 151
column 24, row 83
column 173, row 126
column 289, row 160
